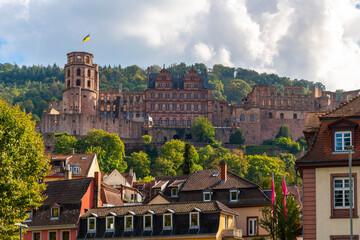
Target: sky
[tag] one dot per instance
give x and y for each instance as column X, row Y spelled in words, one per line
column 305, row 39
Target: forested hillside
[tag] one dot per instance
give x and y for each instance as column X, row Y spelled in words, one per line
column 32, row 87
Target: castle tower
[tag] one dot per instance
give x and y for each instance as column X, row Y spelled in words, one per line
column 81, row 84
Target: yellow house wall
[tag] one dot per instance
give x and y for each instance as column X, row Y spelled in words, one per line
column 93, row 168
column 222, row 224
column 325, row 226
column 241, row 220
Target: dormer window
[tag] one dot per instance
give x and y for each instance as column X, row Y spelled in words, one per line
column 233, row 195
column 342, row 139
column 194, row 220
column 29, row 214
column 157, row 191
column 110, row 226
column 148, row 222
column 76, row 170
column 55, row 212
column 167, row 221
column 174, row 192
column 207, row 195
column 128, row 223
column 91, row 224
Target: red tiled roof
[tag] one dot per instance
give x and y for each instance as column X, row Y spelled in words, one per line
column 84, row 164
column 204, row 179
column 349, row 108
column 110, row 195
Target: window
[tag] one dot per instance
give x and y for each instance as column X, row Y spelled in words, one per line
column 55, row 212
column 65, row 235
column 76, row 170
column 89, row 73
column 92, row 224
column 340, row 195
column 36, row 236
column 167, row 221
column 252, row 117
column 78, row 83
column 343, row 237
column 270, row 115
column 242, row 117
column 160, row 107
column 226, row 222
column 215, row 109
column 110, row 224
column 160, row 121
column 167, row 107
column 203, row 107
column 188, row 96
column 167, row 122
column 233, row 195
column 342, row 139
column 207, row 196
column 188, row 107
column 181, row 107
column 89, row 83
column 196, row 108
column 68, row 83
column 181, row 95
column 188, row 122
column 174, row 192
column 188, row 86
column 52, row 236
column 174, row 106
column 194, row 220
column 147, row 222
column 152, row 107
column 128, row 223
column 29, row 214
column 160, row 95
column 68, row 73
column 78, row 72
column 281, row 116
column 181, row 122
column 167, row 95
column 196, row 85
column 295, row 116
column 196, row 96
column 174, row 122
column 202, row 96
column 174, row 95
column 167, row 85
column 252, row 226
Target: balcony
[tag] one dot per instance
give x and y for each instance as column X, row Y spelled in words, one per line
column 232, row 234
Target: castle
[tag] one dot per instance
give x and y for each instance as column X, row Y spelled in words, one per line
column 168, row 107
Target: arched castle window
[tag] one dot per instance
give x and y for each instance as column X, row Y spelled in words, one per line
column 78, row 72
column 188, row 122
column 68, row 83
column 167, row 122
column 87, row 59
column 242, row 117
column 160, row 121
column 108, row 107
column 89, row 73
column 182, row 122
column 68, row 72
column 252, row 117
column 89, row 83
column 270, row 115
column 78, row 83
column 174, row 122
column 102, row 108
column 281, row 116
column 295, row 116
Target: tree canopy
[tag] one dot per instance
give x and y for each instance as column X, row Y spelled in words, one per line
column 284, row 131
column 203, row 130
column 237, row 137
column 23, row 165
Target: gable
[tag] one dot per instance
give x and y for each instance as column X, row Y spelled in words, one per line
column 159, row 199
column 343, row 123
column 115, row 178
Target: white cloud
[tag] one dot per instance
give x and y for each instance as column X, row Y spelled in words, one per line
column 313, row 40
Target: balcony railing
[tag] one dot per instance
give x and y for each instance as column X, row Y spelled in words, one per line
column 232, row 234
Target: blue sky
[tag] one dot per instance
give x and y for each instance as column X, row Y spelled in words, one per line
column 313, row 40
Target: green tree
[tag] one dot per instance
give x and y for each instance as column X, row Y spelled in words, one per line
column 188, row 163
column 302, row 142
column 147, row 139
column 236, row 90
column 23, row 165
column 163, row 167
column 108, row 147
column 279, row 225
column 203, row 130
column 284, row 131
column 140, row 162
column 237, row 137
column 64, row 144
column 260, row 168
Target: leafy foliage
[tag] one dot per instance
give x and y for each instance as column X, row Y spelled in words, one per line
column 64, row 144
column 188, row 163
column 279, row 225
column 140, row 162
column 22, row 164
column 284, row 131
column 237, row 137
column 203, row 130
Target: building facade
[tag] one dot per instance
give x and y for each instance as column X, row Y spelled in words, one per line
column 168, row 107
column 325, row 172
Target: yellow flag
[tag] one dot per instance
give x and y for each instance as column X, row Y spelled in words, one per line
column 86, row 38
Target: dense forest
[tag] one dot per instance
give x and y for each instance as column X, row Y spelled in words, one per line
column 32, row 87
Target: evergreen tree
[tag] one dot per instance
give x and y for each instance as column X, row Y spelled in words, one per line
column 188, row 163
column 237, row 137
column 284, row 131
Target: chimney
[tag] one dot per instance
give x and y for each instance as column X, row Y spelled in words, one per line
column 97, row 189
column 72, row 150
column 131, row 172
column 68, row 173
column 223, row 172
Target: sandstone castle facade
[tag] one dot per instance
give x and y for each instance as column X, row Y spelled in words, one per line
column 168, row 107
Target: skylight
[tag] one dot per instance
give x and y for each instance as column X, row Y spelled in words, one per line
column 215, row 174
